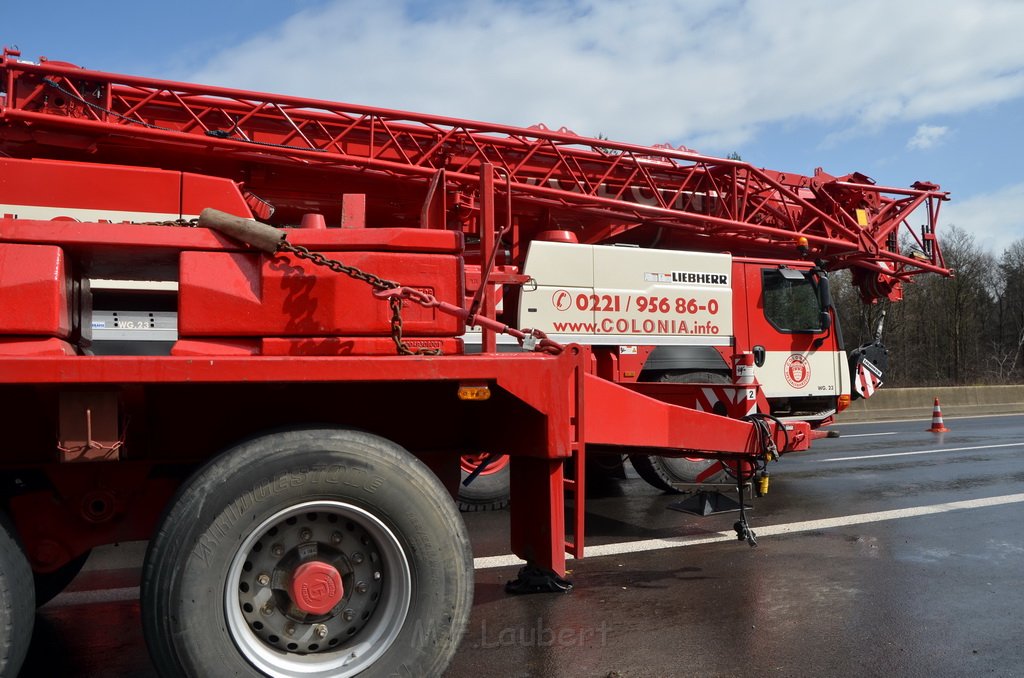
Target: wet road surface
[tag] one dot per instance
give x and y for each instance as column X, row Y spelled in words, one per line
column 891, row 551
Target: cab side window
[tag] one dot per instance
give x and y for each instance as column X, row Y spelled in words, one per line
column 791, row 301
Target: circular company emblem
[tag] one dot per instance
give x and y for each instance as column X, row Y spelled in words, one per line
column 561, row 300
column 797, row 371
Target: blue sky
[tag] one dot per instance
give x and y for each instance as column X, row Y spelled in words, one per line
column 900, row 90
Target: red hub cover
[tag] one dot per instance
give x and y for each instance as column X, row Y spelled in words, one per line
column 316, row 587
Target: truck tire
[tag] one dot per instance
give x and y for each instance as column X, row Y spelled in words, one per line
column 662, row 472
column 489, row 491
column 313, row 553
column 17, row 603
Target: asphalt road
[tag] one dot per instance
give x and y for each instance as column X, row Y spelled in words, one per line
column 891, row 551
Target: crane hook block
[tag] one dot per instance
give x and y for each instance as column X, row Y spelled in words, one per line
column 259, row 235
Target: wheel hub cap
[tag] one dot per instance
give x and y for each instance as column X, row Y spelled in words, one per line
column 316, row 587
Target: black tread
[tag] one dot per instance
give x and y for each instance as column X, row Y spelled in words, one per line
column 410, row 499
column 661, row 472
column 644, row 466
column 487, row 492
column 17, row 603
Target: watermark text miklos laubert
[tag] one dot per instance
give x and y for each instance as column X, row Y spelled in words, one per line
column 542, row 635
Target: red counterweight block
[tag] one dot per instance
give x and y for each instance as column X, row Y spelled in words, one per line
column 35, row 292
column 249, row 295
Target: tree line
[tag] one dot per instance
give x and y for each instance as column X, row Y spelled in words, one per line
column 964, row 330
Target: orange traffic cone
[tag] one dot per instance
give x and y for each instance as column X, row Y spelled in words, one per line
column 937, row 425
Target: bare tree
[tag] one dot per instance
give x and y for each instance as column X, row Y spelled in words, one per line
column 944, row 332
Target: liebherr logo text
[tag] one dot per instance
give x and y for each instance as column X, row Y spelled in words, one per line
column 700, row 278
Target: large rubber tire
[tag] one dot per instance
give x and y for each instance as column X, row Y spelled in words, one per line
column 662, row 472
column 366, row 505
column 489, row 491
column 17, row 603
column 49, row 585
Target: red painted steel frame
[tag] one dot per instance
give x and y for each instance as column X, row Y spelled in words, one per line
column 543, row 382
column 611, row 187
column 548, row 384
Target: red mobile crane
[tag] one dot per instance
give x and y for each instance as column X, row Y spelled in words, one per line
column 291, row 449
column 298, row 154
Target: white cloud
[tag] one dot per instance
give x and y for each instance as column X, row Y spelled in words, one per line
column 995, row 219
column 693, row 72
column 927, row 136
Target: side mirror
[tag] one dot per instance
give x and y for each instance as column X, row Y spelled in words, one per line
column 824, row 291
column 825, row 320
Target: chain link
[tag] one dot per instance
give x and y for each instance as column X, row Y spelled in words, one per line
column 375, row 281
column 181, row 223
column 532, row 340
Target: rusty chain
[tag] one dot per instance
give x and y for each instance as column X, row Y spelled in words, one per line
column 183, row 223
column 395, row 293
column 375, row 281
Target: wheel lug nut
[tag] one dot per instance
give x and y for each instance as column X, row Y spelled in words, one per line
column 289, row 630
column 267, row 610
column 263, row 579
column 349, row 614
column 336, row 538
column 277, row 550
column 361, row 587
column 376, row 576
column 320, row 631
column 305, row 534
column 357, row 557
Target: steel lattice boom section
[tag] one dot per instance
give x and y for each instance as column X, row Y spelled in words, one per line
column 612, row 190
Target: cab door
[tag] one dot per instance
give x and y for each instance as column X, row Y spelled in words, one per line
column 794, row 341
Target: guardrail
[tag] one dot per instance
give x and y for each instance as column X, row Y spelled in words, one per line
column 916, row 403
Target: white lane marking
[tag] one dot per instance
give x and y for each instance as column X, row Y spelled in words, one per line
column 490, row 562
column 866, row 435
column 908, row 454
column 957, row 417
column 95, row 596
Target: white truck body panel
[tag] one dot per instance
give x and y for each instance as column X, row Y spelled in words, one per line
column 601, row 294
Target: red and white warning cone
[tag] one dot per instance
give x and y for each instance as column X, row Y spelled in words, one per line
column 937, row 425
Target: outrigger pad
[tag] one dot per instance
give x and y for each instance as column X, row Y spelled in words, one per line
column 704, row 503
column 536, row 580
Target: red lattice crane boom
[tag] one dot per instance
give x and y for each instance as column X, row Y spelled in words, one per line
column 295, row 153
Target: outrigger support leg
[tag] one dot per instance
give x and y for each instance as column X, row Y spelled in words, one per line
column 532, row 579
column 743, row 531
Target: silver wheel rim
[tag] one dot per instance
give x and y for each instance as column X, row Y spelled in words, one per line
column 276, row 636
